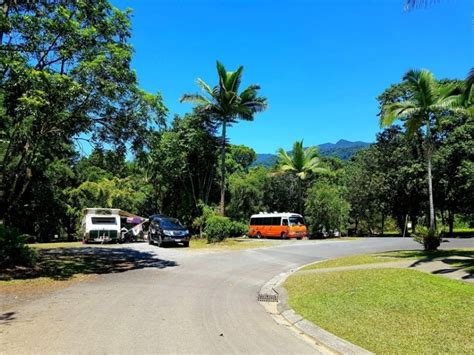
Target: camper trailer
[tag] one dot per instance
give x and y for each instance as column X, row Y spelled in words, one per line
column 101, row 225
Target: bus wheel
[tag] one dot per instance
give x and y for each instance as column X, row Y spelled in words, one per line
column 284, row 236
column 258, row 235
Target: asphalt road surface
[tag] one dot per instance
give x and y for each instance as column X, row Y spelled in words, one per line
column 180, row 301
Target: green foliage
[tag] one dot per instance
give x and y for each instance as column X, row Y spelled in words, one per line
column 247, row 193
column 429, row 238
column 386, row 179
column 239, row 158
column 238, row 229
column 302, row 162
column 425, row 101
column 181, row 165
column 200, row 221
column 224, row 105
column 326, row 209
column 67, row 77
column 13, row 249
column 106, row 193
column 218, row 228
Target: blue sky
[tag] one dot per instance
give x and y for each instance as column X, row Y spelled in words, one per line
column 321, row 64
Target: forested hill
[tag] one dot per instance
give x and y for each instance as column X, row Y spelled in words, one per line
column 342, row 149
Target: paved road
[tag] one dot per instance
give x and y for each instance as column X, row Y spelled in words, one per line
column 206, row 303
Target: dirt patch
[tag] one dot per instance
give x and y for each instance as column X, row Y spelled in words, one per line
column 18, row 291
column 65, row 263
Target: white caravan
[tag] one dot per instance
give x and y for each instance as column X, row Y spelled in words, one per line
column 101, row 225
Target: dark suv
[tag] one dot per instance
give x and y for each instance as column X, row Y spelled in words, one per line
column 167, row 230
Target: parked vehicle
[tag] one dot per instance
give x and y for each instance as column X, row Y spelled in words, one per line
column 101, row 225
column 277, row 225
column 132, row 229
column 164, row 229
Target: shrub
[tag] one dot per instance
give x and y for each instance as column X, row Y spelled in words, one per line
column 238, row 229
column 13, row 250
column 217, row 228
column 431, row 240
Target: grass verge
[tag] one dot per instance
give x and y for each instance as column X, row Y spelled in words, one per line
column 388, row 310
column 363, row 259
column 229, row 244
column 56, row 245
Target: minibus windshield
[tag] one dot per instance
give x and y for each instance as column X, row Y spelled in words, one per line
column 296, row 221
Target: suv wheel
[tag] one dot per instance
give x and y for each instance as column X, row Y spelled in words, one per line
column 159, row 242
column 185, row 244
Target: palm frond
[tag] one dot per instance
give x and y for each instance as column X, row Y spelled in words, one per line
column 195, row 98
column 422, row 85
column 258, row 104
column 250, row 92
column 412, row 125
column 285, row 162
column 298, row 155
column 411, row 4
column 469, row 88
column 234, row 79
column 396, row 111
column 470, row 78
column 222, row 73
column 205, row 87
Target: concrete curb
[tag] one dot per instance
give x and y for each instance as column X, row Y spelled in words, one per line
column 324, row 341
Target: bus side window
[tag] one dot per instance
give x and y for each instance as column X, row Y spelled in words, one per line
column 284, row 222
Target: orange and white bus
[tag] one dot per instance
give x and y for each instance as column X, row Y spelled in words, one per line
column 277, row 225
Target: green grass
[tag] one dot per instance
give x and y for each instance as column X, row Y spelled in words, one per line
column 56, row 245
column 349, row 261
column 229, row 244
column 398, row 255
column 388, row 310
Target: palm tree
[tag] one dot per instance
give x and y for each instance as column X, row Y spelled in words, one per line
column 301, row 162
column 225, row 106
column 410, row 4
column 427, row 100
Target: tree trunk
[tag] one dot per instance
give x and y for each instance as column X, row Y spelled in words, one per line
column 299, row 195
column 430, row 193
column 431, row 241
column 451, row 223
column 383, row 223
column 3, row 28
column 222, row 205
column 413, row 224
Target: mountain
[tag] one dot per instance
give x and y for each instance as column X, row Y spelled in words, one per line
column 343, row 149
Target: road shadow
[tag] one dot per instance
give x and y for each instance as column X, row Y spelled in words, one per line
column 7, row 317
column 63, row 263
column 455, row 259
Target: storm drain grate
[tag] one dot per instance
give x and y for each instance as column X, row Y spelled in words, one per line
column 262, row 297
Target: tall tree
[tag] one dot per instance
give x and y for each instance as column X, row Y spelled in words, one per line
column 225, row 105
column 66, row 76
column 426, row 101
column 301, row 162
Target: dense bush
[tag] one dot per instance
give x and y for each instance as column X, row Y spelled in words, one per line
column 217, row 228
column 13, row 250
column 430, row 240
column 238, row 229
column 326, row 210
